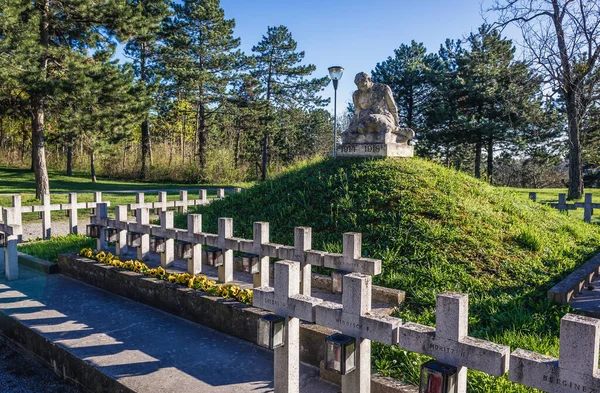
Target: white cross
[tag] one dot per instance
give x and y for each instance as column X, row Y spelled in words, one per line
column 353, row 318
column 576, row 369
column 302, row 252
column 449, row 342
column 258, row 246
column 142, row 221
column 12, row 228
column 166, row 231
column 588, row 207
column 350, row 260
column 285, row 300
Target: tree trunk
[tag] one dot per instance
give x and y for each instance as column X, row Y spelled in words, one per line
column 575, row 159
column 237, row 146
column 23, row 141
column 490, row 158
column 70, row 159
column 42, row 184
column 145, row 148
column 478, row 148
column 93, row 166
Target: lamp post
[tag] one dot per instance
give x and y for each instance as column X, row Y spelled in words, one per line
column 335, row 73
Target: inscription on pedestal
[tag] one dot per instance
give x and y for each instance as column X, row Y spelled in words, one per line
column 375, row 150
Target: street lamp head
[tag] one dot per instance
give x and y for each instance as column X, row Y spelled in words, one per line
column 336, row 72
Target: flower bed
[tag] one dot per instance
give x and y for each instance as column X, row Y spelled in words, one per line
column 199, row 282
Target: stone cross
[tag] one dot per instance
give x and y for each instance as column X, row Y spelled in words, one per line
column 302, row 253
column 227, row 243
column 46, row 218
column 72, row 209
column 183, row 197
column 220, row 193
column 195, row 227
column 101, row 216
column 203, row 197
column 162, row 201
column 286, row 301
column 353, row 318
column 142, row 219
column 449, row 342
column 576, row 369
column 121, row 226
column 588, row 207
column 533, row 196
column 167, row 258
column 13, row 230
column 350, row 261
column 260, row 238
column 17, row 215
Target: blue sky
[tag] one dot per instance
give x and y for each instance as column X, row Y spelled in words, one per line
column 354, row 34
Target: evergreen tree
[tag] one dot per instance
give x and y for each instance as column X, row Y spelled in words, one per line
column 408, row 74
column 143, row 49
column 43, row 36
column 200, row 59
column 284, row 82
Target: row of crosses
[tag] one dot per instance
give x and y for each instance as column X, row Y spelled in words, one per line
column 290, row 297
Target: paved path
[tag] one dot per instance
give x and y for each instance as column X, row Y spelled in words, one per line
column 588, row 299
column 145, row 349
column 19, row 374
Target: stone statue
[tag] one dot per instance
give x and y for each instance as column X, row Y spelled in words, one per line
column 375, row 117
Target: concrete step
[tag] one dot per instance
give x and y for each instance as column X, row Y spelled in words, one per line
column 111, row 344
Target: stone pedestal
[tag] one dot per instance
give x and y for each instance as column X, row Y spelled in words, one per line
column 375, row 150
column 376, row 145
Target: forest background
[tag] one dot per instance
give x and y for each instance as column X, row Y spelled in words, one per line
column 188, row 105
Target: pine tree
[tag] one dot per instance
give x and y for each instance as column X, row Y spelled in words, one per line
column 143, row 49
column 41, row 37
column 283, row 79
column 200, row 58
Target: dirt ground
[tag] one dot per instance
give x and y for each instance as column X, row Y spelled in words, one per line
column 19, row 374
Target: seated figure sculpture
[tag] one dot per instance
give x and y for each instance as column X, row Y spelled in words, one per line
column 375, row 117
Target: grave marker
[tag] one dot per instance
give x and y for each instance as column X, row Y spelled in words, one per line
column 302, row 253
column 353, row 318
column 449, row 342
column 350, row 261
column 285, row 300
column 12, row 232
column 576, row 369
column 167, row 258
column 121, row 225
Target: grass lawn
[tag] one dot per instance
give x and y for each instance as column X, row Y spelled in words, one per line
column 51, row 249
column 435, row 230
column 21, row 181
column 551, row 195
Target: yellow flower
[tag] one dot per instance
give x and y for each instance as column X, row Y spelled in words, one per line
column 160, row 271
column 190, row 283
column 172, row 278
column 152, row 272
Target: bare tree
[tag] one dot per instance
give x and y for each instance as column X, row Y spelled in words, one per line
column 563, row 38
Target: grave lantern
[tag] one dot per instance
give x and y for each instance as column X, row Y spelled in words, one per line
column 2, row 239
column 134, row 239
column 250, row 263
column 271, row 329
column 111, row 235
column 340, row 353
column 157, row 244
column 211, row 255
column 93, row 230
column 183, row 250
column 437, row 377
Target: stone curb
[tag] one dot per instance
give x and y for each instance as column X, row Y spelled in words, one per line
column 57, row 358
column 37, row 264
column 571, row 286
column 379, row 383
column 225, row 315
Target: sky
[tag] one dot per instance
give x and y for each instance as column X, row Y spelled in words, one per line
column 354, row 34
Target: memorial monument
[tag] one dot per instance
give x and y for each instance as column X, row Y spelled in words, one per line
column 374, row 130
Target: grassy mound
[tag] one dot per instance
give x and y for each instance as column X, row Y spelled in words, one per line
column 435, row 230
